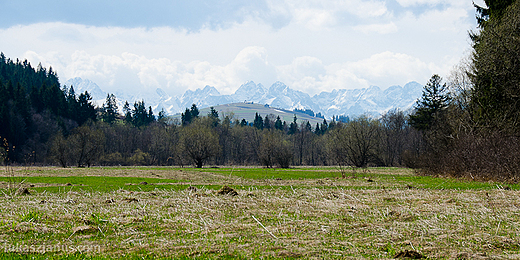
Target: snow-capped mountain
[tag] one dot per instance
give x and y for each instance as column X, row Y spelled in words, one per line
column 81, row 85
column 370, row 100
column 351, row 102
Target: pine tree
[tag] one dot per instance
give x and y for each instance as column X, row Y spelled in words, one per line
column 267, row 123
column 495, row 98
column 85, row 109
column 278, row 124
column 435, row 99
column 213, row 116
column 110, row 113
column 258, row 123
column 128, row 113
column 194, row 111
column 293, row 127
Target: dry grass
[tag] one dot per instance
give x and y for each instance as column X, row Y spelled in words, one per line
column 326, row 221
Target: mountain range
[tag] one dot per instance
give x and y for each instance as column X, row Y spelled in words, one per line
column 352, row 102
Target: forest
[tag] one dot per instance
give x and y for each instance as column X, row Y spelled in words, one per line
column 466, row 125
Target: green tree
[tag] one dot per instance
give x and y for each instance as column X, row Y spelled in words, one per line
column 141, row 117
column 85, row 110
column 494, row 10
column 194, row 111
column 258, row 123
column 189, row 115
column 109, row 113
column 127, row 112
column 213, row 116
column 495, row 98
column 435, row 99
column 293, row 127
column 278, row 124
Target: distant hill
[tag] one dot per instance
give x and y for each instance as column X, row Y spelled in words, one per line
column 247, row 111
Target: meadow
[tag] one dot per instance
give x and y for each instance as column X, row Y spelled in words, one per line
column 307, row 213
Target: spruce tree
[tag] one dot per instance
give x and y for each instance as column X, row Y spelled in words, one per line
column 435, row 99
column 109, row 114
column 258, row 123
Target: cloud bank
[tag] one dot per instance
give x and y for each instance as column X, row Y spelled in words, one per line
column 310, row 45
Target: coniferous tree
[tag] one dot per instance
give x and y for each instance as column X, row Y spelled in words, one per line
column 495, row 98
column 128, row 113
column 267, row 123
column 293, row 127
column 150, row 118
column 258, row 123
column 194, row 111
column 85, row 110
column 213, row 116
column 324, row 126
column 109, row 114
column 186, row 117
column 435, row 99
column 278, row 124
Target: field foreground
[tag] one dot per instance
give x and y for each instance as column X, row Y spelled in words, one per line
column 296, row 213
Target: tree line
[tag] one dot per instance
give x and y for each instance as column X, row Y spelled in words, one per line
column 224, row 140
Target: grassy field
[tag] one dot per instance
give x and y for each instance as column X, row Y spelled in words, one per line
column 307, row 213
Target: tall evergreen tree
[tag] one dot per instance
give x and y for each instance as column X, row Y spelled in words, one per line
column 495, row 98
column 110, row 113
column 258, row 123
column 128, row 113
column 85, row 110
column 194, row 111
column 293, row 127
column 267, row 123
column 435, row 99
column 278, row 124
column 186, row 117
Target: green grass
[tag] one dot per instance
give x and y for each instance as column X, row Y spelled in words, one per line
column 381, row 177
column 96, row 183
column 313, row 213
column 416, row 181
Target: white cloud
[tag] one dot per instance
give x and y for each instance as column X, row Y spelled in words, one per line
column 409, row 3
column 378, row 28
column 317, row 14
column 321, row 46
column 387, row 65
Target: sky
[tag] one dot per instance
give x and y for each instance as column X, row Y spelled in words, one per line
column 310, row 45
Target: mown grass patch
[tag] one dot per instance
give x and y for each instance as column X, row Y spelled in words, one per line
column 94, row 183
column 386, row 176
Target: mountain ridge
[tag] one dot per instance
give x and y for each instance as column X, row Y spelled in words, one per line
column 350, row 102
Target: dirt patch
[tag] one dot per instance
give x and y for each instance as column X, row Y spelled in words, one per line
column 84, row 230
column 226, row 190
column 409, row 254
column 22, row 191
